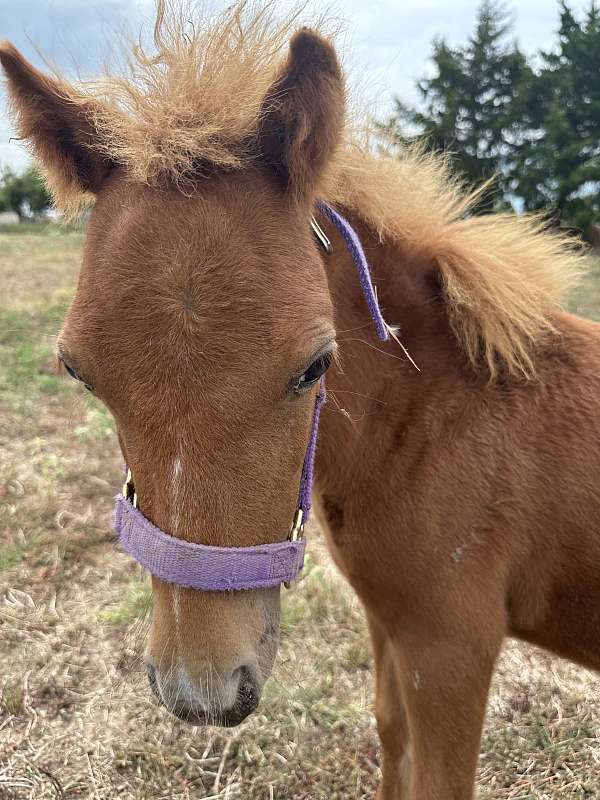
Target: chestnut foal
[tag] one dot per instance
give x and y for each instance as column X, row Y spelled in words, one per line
column 460, row 500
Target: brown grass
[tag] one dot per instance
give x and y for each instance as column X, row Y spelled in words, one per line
column 77, row 719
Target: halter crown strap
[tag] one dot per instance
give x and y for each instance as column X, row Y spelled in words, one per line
column 355, row 249
column 217, row 569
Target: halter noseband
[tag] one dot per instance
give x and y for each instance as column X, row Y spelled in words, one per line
column 217, row 569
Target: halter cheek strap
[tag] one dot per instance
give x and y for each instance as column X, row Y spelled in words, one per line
column 216, row 569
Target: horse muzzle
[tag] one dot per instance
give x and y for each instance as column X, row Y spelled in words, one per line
column 210, row 699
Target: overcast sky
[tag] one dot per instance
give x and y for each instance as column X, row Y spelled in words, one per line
column 389, row 41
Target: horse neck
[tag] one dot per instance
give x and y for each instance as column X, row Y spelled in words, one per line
column 376, row 395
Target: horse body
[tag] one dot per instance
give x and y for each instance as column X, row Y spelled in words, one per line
column 460, row 511
column 458, row 497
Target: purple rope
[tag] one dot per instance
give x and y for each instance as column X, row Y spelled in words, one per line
column 306, row 481
column 355, row 249
column 364, row 274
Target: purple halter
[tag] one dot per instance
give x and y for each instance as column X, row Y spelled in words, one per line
column 217, row 569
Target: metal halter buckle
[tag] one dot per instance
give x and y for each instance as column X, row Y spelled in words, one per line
column 297, row 532
column 129, row 492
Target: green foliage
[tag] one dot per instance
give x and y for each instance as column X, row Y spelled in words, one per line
column 23, row 193
column 469, row 107
column 558, row 164
column 534, row 125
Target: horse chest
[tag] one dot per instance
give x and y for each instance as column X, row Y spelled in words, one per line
column 344, row 544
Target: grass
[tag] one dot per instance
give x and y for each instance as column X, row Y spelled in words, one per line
column 136, row 602
column 26, row 360
column 76, row 717
column 10, row 554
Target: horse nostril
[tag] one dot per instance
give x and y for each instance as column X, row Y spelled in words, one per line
column 248, row 693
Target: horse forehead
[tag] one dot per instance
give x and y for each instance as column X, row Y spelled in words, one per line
column 213, row 248
column 200, row 294
column 172, row 273
column 222, row 213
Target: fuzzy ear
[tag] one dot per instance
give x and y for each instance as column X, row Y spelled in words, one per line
column 303, row 114
column 57, row 121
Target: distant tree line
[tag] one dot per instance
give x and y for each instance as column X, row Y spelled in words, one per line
column 23, row 193
column 533, row 123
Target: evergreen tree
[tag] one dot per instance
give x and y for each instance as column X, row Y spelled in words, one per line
column 558, row 163
column 24, row 193
column 470, row 105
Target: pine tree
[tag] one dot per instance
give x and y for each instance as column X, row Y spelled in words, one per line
column 469, row 106
column 558, row 163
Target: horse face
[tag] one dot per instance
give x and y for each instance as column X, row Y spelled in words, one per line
column 198, row 319
column 202, row 324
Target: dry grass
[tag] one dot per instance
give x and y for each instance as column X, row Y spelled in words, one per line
column 76, row 717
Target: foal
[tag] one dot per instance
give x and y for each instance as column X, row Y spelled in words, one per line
column 459, row 500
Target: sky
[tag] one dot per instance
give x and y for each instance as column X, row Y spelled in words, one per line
column 387, row 42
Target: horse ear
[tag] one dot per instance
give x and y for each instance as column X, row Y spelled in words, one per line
column 303, row 114
column 57, row 121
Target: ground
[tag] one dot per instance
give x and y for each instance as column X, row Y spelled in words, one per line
column 76, row 717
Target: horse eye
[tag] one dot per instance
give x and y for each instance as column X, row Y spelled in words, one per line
column 75, row 375
column 71, row 371
column 318, row 368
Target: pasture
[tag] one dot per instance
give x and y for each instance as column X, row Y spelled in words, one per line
column 77, row 719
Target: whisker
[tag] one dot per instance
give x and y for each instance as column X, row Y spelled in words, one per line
column 374, row 347
column 358, row 394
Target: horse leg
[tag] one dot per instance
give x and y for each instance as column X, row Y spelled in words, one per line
column 391, row 719
column 444, row 682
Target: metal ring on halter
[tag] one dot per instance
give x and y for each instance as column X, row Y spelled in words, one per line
column 129, row 492
column 297, row 532
column 321, row 235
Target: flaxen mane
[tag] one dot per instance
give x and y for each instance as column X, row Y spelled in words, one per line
column 195, row 102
